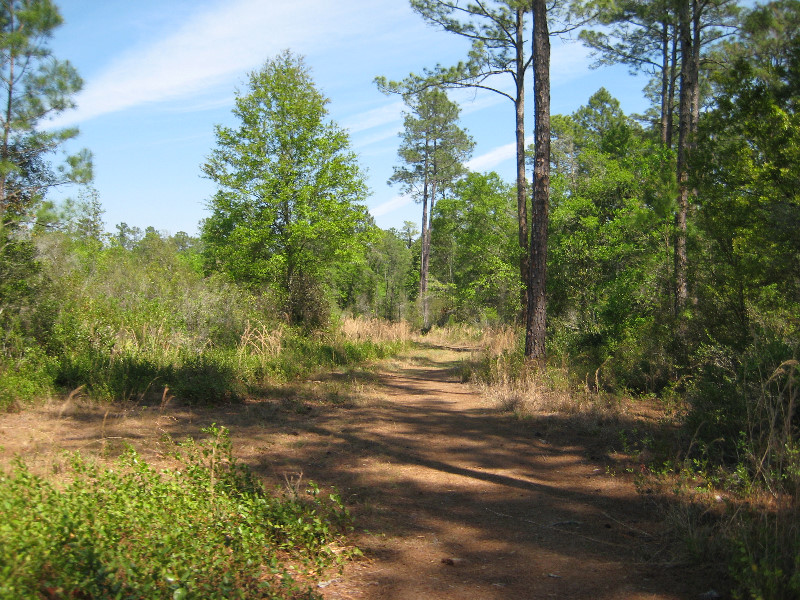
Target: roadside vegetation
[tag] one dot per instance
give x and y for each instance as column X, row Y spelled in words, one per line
column 205, row 528
column 730, row 501
column 136, row 319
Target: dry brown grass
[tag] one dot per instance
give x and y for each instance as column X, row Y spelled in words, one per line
column 261, row 340
column 531, row 391
column 492, row 340
column 376, row 330
column 547, row 391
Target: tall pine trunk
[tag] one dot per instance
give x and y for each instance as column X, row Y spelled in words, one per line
column 665, row 75
column 536, row 320
column 522, row 200
column 7, row 121
column 671, row 91
column 689, row 94
column 425, row 243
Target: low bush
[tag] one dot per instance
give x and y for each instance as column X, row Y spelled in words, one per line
column 26, row 377
column 741, row 507
column 206, row 529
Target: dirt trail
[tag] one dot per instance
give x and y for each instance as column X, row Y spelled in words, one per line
column 464, row 502
column 452, row 499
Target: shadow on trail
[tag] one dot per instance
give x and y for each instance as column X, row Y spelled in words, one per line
column 486, row 488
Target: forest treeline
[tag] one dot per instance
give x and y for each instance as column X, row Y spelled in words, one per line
column 671, row 238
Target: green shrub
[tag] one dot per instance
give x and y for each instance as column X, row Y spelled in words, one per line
column 124, row 323
column 733, row 394
column 26, row 377
column 743, row 421
column 205, row 530
column 208, row 377
column 766, row 554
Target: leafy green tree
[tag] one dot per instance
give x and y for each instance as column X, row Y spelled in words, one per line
column 695, row 21
column 564, row 146
column 603, row 124
column 746, row 164
column 127, row 237
column 288, row 205
column 644, row 36
column 409, row 233
column 391, row 260
column 433, row 150
column 609, row 222
column 34, row 87
column 681, row 32
column 80, row 218
column 474, row 248
column 599, row 125
column 496, row 31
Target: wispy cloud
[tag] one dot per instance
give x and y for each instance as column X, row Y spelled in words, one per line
column 494, row 157
column 363, row 141
column 390, row 205
column 569, row 60
column 211, row 48
column 200, row 105
column 376, row 117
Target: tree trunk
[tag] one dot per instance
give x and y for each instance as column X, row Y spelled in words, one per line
column 665, row 73
column 522, row 201
column 685, row 109
column 671, row 93
column 9, row 115
column 695, row 66
column 535, row 329
column 423, row 277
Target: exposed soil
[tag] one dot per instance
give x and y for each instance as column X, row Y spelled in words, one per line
column 452, row 499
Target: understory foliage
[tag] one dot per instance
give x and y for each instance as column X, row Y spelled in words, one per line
column 142, row 322
column 206, row 529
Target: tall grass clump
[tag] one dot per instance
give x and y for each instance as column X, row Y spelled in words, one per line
column 491, row 340
column 206, row 529
column 765, row 540
column 497, row 366
column 361, row 329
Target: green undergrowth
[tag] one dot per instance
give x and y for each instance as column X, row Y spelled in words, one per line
column 145, row 372
column 733, row 501
column 136, row 322
column 205, row 529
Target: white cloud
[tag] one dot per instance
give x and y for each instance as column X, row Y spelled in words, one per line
column 362, row 142
column 383, row 115
column 200, row 105
column 494, row 157
column 211, row 48
column 390, row 205
column 568, row 61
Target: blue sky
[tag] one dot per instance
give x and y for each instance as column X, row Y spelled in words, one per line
column 159, row 74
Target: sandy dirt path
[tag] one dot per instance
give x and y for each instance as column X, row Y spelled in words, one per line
column 452, row 499
column 460, row 501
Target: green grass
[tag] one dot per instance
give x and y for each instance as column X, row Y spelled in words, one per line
column 206, row 529
column 208, row 376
